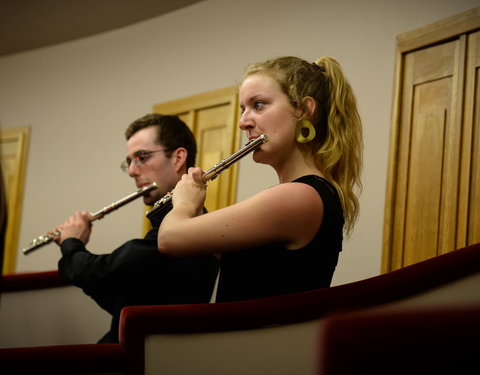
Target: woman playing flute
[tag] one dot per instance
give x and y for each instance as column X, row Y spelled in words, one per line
column 287, row 238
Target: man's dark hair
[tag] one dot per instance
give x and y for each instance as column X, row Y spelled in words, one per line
column 172, row 133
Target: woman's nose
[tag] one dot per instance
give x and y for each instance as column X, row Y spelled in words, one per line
column 245, row 121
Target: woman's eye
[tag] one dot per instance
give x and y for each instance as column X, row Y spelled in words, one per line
column 259, row 105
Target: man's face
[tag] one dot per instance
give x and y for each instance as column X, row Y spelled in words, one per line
column 149, row 163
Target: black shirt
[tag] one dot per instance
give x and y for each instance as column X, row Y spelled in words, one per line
column 272, row 269
column 137, row 274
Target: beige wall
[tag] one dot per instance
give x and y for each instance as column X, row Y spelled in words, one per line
column 78, row 97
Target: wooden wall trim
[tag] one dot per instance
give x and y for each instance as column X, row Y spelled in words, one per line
column 441, row 30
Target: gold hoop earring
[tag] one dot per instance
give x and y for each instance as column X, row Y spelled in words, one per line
column 299, row 128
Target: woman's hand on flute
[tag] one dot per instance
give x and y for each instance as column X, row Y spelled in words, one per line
column 190, row 193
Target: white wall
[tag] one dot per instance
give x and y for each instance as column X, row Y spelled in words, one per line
column 79, row 97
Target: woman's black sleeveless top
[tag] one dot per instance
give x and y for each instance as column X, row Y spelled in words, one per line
column 272, row 270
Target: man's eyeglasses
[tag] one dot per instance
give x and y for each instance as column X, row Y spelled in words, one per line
column 139, row 158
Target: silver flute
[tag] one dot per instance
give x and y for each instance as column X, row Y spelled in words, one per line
column 49, row 237
column 212, row 173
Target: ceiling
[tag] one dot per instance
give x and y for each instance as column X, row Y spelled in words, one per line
column 29, row 24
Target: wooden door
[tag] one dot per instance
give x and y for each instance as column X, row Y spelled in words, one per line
column 14, row 146
column 213, row 118
column 434, row 152
column 469, row 202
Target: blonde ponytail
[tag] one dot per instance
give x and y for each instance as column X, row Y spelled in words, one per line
column 340, row 155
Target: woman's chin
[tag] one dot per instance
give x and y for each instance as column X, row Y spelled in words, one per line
column 258, row 157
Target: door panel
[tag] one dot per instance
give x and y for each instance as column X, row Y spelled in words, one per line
column 469, row 218
column 425, row 117
column 213, row 119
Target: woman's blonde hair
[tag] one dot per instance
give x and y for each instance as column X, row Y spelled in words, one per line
column 338, row 145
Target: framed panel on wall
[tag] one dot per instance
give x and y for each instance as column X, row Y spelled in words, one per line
column 14, row 148
column 213, row 118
